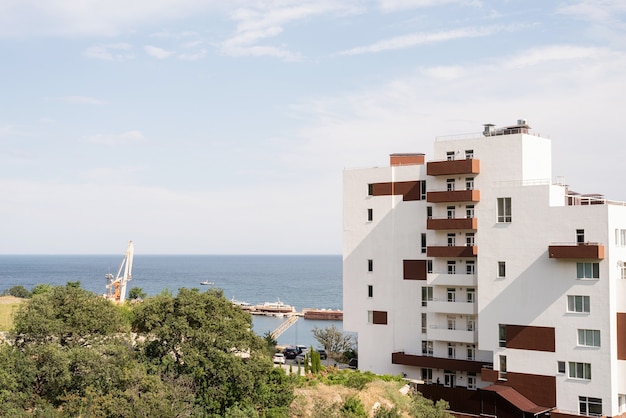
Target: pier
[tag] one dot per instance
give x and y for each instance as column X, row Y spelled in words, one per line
column 292, row 319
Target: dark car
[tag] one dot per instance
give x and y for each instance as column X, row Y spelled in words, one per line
column 354, row 363
column 290, row 353
column 323, row 355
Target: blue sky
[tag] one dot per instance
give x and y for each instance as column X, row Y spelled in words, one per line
column 212, row 127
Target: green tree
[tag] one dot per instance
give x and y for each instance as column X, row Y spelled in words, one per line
column 18, row 291
column 334, row 341
column 202, row 335
column 422, row 407
column 41, row 288
column 136, row 293
column 353, row 407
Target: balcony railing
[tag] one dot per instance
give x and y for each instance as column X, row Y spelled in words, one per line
column 446, row 279
column 587, row 250
column 451, row 223
column 447, row 196
column 451, row 167
column 452, row 251
column 417, row 360
column 452, row 335
column 459, row 308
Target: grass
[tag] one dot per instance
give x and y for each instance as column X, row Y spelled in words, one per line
column 8, row 305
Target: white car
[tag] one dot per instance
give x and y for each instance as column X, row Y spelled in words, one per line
column 279, row 358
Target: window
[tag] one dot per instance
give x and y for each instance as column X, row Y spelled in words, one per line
column 451, row 294
column 429, row 266
column 471, row 295
column 427, row 376
column 580, row 236
column 370, row 291
column 471, row 324
column 470, row 267
column 469, row 239
column 622, row 268
column 502, row 335
column 451, row 322
column 451, row 267
column 370, row 189
column 620, row 237
column 502, row 371
column 423, row 190
column 471, row 351
column 370, row 265
column 450, row 185
column 370, row 215
column 451, row 350
column 451, row 240
column 450, row 211
column 469, row 183
column 370, row 317
column 577, row 303
column 560, row 367
column 590, row 406
column 501, row 269
column 429, row 212
column 423, row 243
column 450, row 155
column 504, row 209
column 589, row 337
column 621, row 403
column 471, row 381
column 424, row 323
column 469, row 211
column 449, row 378
column 579, row 370
column 427, row 348
column 588, row 270
column 469, row 154
column 427, row 294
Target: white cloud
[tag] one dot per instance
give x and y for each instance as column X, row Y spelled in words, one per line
column 157, row 52
column 109, row 139
column 414, row 39
column 399, row 5
column 110, row 52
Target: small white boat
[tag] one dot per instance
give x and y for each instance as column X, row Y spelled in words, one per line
column 275, row 307
column 206, row 282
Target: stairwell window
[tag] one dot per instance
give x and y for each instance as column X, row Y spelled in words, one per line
column 370, row 189
column 504, row 210
column 370, row 291
column 370, row 265
column 578, row 303
column 502, row 371
column 502, row 335
column 589, row 337
column 423, row 241
column 370, row 215
column 588, row 270
column 424, row 323
column 579, row 370
column 501, row 269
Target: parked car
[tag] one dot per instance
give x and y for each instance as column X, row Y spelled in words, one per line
column 301, row 348
column 290, row 353
column 279, row 358
column 353, row 363
column 301, row 357
column 323, row 355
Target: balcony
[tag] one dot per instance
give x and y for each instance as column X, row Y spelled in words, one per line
column 450, row 196
column 440, row 224
column 437, row 362
column 458, row 280
column 452, row 252
column 445, row 307
column 452, row 335
column 450, row 167
column 587, row 250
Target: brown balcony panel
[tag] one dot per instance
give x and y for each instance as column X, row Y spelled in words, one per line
column 453, row 196
column 444, row 168
column 448, row 251
column 457, row 223
column 437, row 362
column 590, row 251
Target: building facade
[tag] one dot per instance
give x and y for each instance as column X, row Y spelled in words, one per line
column 484, row 281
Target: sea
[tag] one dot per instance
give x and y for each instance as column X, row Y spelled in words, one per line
column 303, row 281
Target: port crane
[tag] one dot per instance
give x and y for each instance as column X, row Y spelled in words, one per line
column 116, row 286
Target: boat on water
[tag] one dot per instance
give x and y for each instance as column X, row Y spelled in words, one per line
column 277, row 307
column 206, row 282
column 243, row 305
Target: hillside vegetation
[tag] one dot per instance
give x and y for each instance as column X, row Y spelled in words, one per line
column 71, row 353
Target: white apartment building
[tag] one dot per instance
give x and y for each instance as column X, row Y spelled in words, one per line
column 494, row 287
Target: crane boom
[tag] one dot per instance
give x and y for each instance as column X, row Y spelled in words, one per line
column 116, row 286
